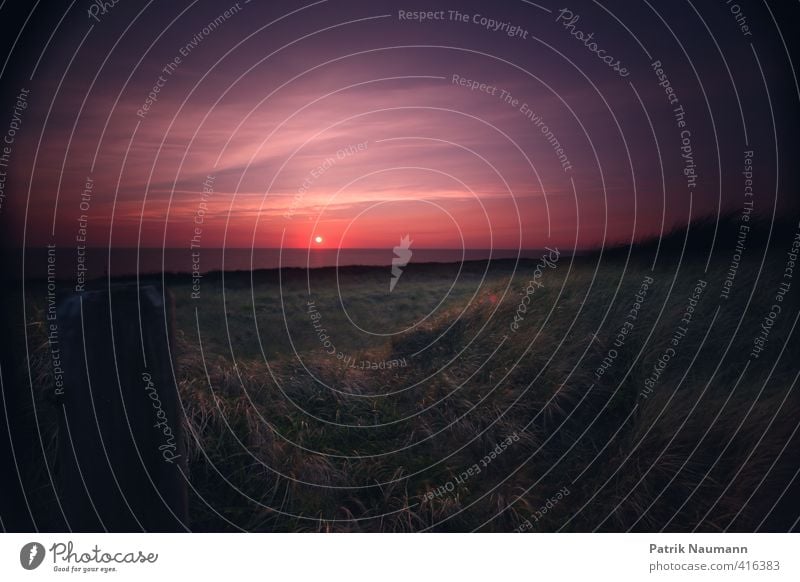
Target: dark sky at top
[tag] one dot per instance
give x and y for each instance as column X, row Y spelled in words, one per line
column 266, row 110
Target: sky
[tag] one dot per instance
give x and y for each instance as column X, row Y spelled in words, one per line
column 351, row 124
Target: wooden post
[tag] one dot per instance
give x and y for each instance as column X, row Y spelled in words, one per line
column 122, row 459
column 17, row 448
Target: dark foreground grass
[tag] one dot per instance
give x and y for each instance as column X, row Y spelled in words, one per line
column 471, row 424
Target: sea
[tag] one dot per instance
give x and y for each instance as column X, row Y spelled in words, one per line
column 97, row 262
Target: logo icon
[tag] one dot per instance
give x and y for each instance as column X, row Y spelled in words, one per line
column 400, row 260
column 31, row 555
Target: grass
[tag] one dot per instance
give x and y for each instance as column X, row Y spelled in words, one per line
column 285, row 437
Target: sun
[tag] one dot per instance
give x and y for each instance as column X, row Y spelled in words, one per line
column 319, row 240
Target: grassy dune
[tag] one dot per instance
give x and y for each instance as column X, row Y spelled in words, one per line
column 318, row 445
column 483, row 426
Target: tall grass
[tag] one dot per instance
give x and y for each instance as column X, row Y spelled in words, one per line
column 292, row 440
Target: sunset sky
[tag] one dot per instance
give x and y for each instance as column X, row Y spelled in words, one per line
column 344, row 121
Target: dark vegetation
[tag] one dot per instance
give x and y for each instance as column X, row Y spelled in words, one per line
column 284, row 436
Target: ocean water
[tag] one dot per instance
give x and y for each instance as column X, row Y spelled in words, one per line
column 99, row 262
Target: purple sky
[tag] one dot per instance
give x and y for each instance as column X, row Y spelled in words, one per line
column 344, row 120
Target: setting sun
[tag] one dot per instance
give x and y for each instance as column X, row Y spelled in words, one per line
column 318, row 239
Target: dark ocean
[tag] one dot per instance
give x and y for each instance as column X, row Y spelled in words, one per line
column 97, row 262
